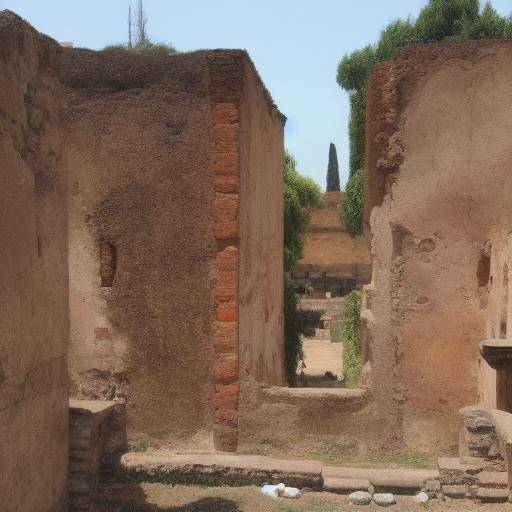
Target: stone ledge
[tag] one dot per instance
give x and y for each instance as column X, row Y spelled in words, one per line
column 332, row 396
column 239, row 469
column 398, row 481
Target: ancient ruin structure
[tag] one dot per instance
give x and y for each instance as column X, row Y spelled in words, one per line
column 172, row 170
column 332, row 262
column 438, row 164
column 175, row 224
column 33, row 275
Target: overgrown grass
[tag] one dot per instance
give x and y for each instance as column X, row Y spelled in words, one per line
column 140, row 446
column 345, row 456
column 351, row 332
column 196, row 480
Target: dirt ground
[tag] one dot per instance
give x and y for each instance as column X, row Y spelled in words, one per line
column 158, row 497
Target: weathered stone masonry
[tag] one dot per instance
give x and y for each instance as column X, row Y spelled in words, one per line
column 156, row 236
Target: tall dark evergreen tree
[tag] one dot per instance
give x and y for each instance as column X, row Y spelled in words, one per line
column 333, row 175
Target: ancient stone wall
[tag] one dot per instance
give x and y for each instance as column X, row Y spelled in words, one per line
column 33, row 275
column 332, row 260
column 438, row 165
column 261, row 229
column 164, row 158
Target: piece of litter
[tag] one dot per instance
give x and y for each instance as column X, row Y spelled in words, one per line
column 291, row 492
column 280, row 490
column 270, row 490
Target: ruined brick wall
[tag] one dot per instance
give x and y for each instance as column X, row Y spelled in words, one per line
column 138, row 150
column 33, row 275
column 438, row 164
column 329, row 251
column 156, row 156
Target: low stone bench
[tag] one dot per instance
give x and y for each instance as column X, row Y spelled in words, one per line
column 96, row 431
column 215, row 469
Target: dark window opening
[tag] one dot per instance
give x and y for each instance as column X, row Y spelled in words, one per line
column 108, row 264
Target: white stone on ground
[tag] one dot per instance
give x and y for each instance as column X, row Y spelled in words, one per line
column 421, row 497
column 360, row 498
column 384, row 499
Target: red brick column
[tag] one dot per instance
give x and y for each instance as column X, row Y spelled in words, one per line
column 225, row 77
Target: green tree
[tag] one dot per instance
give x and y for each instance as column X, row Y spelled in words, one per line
column 490, row 25
column 396, row 36
column 353, row 204
column 333, row 175
column 354, row 69
column 300, row 192
column 441, row 19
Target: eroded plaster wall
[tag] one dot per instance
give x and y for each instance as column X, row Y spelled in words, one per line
column 33, row 275
column 175, row 230
column 438, row 162
column 138, row 150
column 329, row 252
column 261, row 228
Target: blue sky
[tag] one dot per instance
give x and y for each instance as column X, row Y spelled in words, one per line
column 295, row 44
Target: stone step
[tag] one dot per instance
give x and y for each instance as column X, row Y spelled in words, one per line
column 492, row 495
column 345, row 485
column 397, row 481
column 493, row 479
column 221, row 468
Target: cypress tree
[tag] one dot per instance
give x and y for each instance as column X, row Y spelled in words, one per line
column 333, row 175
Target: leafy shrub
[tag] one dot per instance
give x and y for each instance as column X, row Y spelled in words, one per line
column 441, row 19
column 354, row 69
column 357, row 130
column 397, row 35
column 300, row 192
column 351, row 332
column 353, row 203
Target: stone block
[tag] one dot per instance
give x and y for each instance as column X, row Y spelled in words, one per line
column 477, row 435
column 346, row 485
column 455, row 491
column 492, row 495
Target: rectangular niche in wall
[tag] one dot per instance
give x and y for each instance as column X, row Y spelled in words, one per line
column 108, row 264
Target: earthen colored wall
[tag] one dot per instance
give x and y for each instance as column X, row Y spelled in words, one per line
column 438, row 164
column 138, row 150
column 329, row 249
column 33, row 276
column 166, row 163
column 261, row 228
